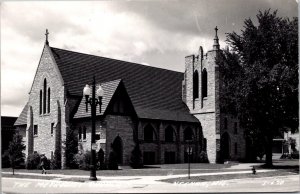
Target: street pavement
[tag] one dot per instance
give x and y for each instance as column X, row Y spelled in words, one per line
column 151, row 184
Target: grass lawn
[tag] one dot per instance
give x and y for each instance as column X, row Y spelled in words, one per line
column 228, row 177
column 152, row 170
column 29, row 176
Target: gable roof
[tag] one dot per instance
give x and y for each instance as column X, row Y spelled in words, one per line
column 152, row 90
column 22, row 119
column 109, row 89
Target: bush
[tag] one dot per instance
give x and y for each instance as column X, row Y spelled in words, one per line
column 83, row 160
column 203, row 157
column 295, row 155
column 136, row 160
column 5, row 160
column 33, row 161
column 100, row 160
column 113, row 161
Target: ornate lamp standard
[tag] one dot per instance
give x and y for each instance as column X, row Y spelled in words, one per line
column 93, row 101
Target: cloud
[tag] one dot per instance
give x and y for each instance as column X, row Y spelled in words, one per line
column 155, row 33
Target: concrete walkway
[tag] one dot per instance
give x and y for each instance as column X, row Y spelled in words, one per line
column 134, row 178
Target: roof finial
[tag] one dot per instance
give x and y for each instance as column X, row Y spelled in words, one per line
column 216, row 45
column 47, row 33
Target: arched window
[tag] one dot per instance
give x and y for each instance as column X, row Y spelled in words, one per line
column 79, row 133
column 41, row 102
column 148, row 133
column 195, row 85
column 204, row 83
column 169, row 134
column 48, row 100
column 188, row 134
column 45, row 96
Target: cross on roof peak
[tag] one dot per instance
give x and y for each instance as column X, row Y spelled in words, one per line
column 47, row 33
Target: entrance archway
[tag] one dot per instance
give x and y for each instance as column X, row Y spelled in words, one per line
column 225, row 146
column 118, row 148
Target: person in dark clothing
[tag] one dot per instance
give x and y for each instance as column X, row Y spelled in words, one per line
column 43, row 162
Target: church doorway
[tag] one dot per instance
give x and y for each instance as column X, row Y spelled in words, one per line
column 118, row 148
column 225, row 146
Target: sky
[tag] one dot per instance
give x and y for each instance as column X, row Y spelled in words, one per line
column 157, row 33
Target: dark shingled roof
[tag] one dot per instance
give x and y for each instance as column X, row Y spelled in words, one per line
column 22, row 119
column 155, row 92
column 109, row 89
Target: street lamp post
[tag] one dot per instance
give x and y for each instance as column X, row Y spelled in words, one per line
column 93, row 101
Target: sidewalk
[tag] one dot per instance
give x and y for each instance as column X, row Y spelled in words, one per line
column 155, row 178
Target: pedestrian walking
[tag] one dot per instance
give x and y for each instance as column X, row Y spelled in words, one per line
column 43, row 158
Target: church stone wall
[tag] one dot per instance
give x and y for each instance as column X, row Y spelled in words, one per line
column 44, row 142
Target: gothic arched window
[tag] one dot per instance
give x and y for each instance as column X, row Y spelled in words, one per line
column 41, row 102
column 204, row 83
column 188, row 134
column 48, row 100
column 169, row 134
column 45, row 96
column 148, row 133
column 195, row 85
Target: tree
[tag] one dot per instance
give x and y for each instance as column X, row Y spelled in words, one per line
column 15, row 150
column 71, row 148
column 136, row 160
column 266, row 91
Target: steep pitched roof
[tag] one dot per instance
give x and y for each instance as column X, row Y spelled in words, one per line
column 109, row 89
column 155, row 92
column 22, row 119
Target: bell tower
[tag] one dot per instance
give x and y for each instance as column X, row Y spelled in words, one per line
column 201, row 95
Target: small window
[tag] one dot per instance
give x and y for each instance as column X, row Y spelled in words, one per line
column 235, row 149
column 204, row 83
column 41, row 102
column 225, row 123
column 49, row 100
column 235, row 128
column 52, row 128
column 195, row 85
column 79, row 133
column 84, row 133
column 35, row 130
column 45, row 96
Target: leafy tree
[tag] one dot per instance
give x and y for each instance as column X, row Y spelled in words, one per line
column 15, row 150
column 71, row 148
column 265, row 90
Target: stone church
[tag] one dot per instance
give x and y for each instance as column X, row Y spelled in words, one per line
column 164, row 111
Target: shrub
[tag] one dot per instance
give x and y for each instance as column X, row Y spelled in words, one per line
column 136, row 160
column 83, row 160
column 203, row 157
column 100, row 159
column 71, row 144
column 33, row 161
column 295, row 155
column 5, row 160
column 113, row 161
